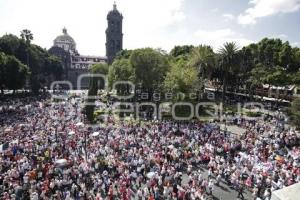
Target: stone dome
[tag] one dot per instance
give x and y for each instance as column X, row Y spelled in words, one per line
column 65, row 41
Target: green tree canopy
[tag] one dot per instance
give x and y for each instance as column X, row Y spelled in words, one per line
column 13, row 72
column 124, row 54
column 182, row 79
column 42, row 66
column 53, row 67
column 258, row 75
column 121, row 70
column 9, row 44
column 2, row 71
column 150, row 67
column 277, row 77
column 27, row 36
column 203, row 59
column 99, row 68
column 181, row 51
column 229, row 62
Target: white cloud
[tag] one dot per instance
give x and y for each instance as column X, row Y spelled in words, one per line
column 228, row 17
column 296, row 44
column 147, row 22
column 143, row 23
column 218, row 37
column 282, row 36
column 264, row 8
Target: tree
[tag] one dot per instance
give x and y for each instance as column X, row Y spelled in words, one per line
column 248, row 62
column 285, row 55
column 124, row 54
column 52, row 70
column 2, row 71
column 294, row 65
column 202, row 59
column 54, row 67
column 100, row 68
column 229, row 62
column 27, row 36
column 296, row 78
column 272, row 61
column 268, row 52
column 277, row 77
column 179, row 52
column 9, row 44
column 150, row 68
column 121, row 70
column 14, row 73
column 43, row 68
column 182, row 79
column 257, row 77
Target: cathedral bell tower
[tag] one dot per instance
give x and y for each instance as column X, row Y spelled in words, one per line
column 114, row 35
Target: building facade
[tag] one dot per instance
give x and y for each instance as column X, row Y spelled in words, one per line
column 75, row 64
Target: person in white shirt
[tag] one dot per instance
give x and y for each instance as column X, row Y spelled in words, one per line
column 210, row 186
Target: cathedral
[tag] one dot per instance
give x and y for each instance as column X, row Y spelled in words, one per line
column 75, row 64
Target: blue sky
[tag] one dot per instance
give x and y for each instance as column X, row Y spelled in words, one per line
column 154, row 23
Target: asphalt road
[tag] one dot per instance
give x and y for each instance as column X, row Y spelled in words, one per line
column 223, row 191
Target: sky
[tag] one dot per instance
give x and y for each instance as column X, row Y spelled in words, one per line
column 154, row 23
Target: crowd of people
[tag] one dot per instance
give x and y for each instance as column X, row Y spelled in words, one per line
column 49, row 152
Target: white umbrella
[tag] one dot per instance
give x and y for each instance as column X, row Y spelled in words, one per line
column 71, row 133
column 15, row 141
column 223, row 127
column 150, row 175
column 95, row 134
column 8, row 130
column 35, row 137
column 61, row 162
column 79, row 124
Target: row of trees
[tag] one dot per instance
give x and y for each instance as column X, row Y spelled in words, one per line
column 187, row 68
column 21, row 60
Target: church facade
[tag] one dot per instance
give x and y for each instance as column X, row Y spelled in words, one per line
column 75, row 64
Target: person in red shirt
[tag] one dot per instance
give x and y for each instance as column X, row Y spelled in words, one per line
column 151, row 197
column 111, row 193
